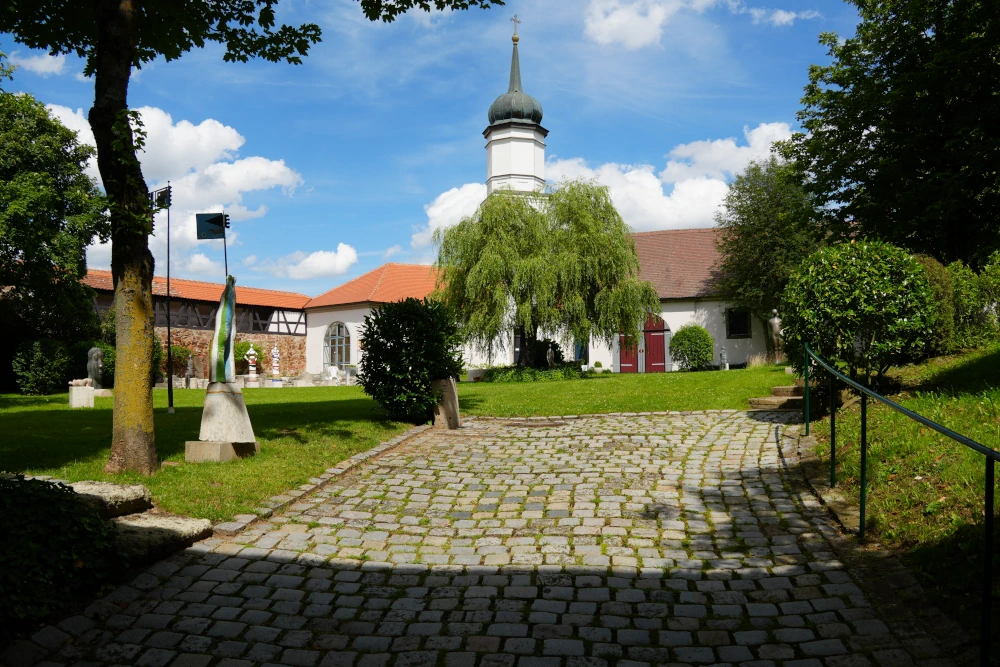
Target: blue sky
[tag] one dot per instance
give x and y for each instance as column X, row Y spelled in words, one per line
column 335, row 166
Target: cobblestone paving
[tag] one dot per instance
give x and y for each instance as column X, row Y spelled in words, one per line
column 629, row 540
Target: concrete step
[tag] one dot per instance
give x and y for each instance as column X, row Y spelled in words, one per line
column 777, row 403
column 791, row 390
column 114, row 499
column 154, row 534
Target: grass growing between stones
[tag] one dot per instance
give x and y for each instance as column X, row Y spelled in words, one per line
column 302, row 432
column 925, row 491
column 607, row 392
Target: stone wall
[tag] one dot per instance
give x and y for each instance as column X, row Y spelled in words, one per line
column 292, row 348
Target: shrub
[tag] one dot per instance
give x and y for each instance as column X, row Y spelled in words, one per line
column 562, row 371
column 407, row 345
column 971, row 314
column 41, row 367
column 179, row 356
column 57, row 551
column 242, row 365
column 597, row 364
column 107, row 344
column 692, row 347
column 866, row 305
column 943, row 338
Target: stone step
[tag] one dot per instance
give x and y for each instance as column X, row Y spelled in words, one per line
column 791, row 390
column 114, row 499
column 777, row 403
column 154, row 534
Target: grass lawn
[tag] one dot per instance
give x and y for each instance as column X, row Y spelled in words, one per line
column 304, row 431
column 925, row 492
column 301, row 431
column 607, row 392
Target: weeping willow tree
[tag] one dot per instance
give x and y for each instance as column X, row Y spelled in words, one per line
column 563, row 262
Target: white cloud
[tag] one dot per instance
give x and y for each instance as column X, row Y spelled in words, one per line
column 448, row 209
column 250, row 260
column 206, row 173
column 200, row 264
column 43, row 64
column 688, row 192
column 635, row 24
column 394, row 250
column 318, row 264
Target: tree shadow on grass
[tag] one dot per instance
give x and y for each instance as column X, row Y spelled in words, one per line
column 974, row 376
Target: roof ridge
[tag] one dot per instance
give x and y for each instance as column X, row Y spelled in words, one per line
column 683, row 229
column 378, row 283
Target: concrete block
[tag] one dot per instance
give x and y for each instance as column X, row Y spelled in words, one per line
column 81, row 397
column 103, row 393
column 197, row 451
column 153, row 534
column 114, row 499
column 446, row 411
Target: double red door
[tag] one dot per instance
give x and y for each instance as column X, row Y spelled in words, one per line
column 652, row 346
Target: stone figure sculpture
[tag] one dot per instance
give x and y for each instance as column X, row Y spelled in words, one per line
column 275, row 358
column 95, row 366
column 550, row 357
column 251, row 358
column 774, row 325
column 223, row 365
column 724, row 359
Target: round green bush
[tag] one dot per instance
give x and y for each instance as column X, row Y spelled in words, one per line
column 57, row 551
column 408, row 344
column 41, row 367
column 179, row 356
column 692, row 347
column 943, row 292
column 865, row 304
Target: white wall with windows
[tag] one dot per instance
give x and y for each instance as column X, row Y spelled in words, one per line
column 347, row 322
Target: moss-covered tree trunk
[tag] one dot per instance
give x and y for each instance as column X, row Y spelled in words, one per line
column 133, row 447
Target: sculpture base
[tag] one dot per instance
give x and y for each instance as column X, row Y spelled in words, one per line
column 446, row 411
column 81, row 397
column 226, row 432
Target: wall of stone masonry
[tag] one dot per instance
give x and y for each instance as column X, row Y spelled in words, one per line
column 292, row 348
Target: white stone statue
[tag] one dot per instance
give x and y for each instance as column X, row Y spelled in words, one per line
column 251, row 358
column 774, row 325
column 275, row 358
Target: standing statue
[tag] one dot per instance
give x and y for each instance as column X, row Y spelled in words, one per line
column 223, row 365
column 95, row 366
column 723, row 359
column 550, row 356
column 275, row 358
column 774, row 325
column 251, row 358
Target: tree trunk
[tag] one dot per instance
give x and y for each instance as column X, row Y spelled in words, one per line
column 133, row 447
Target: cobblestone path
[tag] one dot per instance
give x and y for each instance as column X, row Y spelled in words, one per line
column 629, row 540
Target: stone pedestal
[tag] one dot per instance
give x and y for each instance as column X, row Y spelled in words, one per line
column 252, row 384
column 226, row 432
column 446, row 411
column 81, row 397
column 103, row 393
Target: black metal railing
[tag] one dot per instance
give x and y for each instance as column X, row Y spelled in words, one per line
column 990, row 454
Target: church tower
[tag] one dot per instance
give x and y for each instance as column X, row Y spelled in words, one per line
column 515, row 139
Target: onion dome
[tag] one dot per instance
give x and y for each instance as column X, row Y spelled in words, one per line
column 515, row 105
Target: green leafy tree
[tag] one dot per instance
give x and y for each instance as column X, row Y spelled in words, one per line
column 865, row 305
column 408, row 345
column 563, row 262
column 900, row 133
column 50, row 211
column 767, row 227
column 115, row 36
column 942, row 288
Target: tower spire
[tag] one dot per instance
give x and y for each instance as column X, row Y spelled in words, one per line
column 515, row 62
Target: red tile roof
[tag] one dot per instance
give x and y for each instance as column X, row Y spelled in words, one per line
column 388, row 283
column 196, row 290
column 679, row 262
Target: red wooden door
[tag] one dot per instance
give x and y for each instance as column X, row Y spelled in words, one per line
column 629, row 356
column 656, row 356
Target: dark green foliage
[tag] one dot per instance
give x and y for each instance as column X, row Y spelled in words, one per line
column 242, row 365
column 107, row 343
column 57, row 552
column 527, row 263
column 940, row 281
column 407, row 345
column 180, row 356
column 865, row 305
column 158, row 356
column 109, row 363
column 50, row 210
column 692, row 347
column 41, row 367
column 540, row 354
column 563, row 371
column 768, row 226
column 975, row 319
column 899, row 131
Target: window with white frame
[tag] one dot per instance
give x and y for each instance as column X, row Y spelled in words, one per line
column 337, row 346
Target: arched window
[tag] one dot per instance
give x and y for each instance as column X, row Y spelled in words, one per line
column 337, row 346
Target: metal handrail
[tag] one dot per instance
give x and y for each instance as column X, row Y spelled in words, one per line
column 991, row 456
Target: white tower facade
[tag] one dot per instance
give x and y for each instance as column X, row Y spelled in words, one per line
column 515, row 138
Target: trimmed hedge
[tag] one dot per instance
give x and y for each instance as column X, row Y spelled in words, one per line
column 943, row 338
column 692, row 347
column 570, row 371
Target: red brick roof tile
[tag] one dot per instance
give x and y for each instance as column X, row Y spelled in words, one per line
column 388, row 283
column 679, row 263
column 197, row 290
